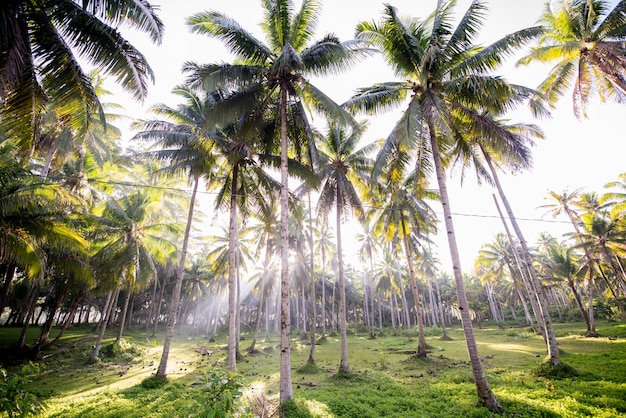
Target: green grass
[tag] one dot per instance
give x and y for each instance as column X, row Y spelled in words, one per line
column 386, row 379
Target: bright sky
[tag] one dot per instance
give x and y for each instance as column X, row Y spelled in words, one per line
column 575, row 154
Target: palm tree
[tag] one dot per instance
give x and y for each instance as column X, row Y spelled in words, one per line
column 404, row 213
column 508, row 145
column 562, row 203
column 133, row 241
column 604, row 236
column 560, row 265
column 272, row 74
column 187, row 148
column 585, row 40
column 33, row 220
column 343, row 168
column 446, row 78
column 41, row 43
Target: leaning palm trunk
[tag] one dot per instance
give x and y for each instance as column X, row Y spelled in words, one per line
column 550, row 336
column 421, row 345
column 538, row 319
column 286, row 390
column 343, row 364
column 124, row 313
column 482, row 386
column 106, row 315
column 175, row 302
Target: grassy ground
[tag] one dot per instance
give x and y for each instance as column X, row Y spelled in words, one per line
column 386, row 380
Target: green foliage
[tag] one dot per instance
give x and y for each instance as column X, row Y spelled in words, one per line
column 552, row 371
column 221, row 391
column 121, row 350
column 153, row 382
column 385, row 379
column 308, row 368
column 15, row 400
column 294, row 409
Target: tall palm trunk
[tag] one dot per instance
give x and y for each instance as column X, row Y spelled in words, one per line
column 553, row 348
column 286, row 390
column 482, row 386
column 232, row 274
column 343, row 364
column 323, row 250
column 175, row 301
column 311, row 359
column 421, row 345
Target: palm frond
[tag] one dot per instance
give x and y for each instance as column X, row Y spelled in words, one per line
column 238, row 40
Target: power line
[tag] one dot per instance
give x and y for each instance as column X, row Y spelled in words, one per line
column 208, row 193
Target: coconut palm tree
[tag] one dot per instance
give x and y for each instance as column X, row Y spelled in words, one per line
column 42, row 43
column 276, row 74
column 344, row 168
column 446, row 77
column 133, row 242
column 563, row 204
column 560, row 264
column 585, row 40
column 186, row 147
column 33, row 220
column 404, row 213
column 603, row 235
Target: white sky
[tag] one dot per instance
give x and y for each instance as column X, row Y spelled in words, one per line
column 575, row 154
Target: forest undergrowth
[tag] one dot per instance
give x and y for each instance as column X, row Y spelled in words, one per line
column 386, row 379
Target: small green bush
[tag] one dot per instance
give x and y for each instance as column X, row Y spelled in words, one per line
column 15, row 400
column 221, row 389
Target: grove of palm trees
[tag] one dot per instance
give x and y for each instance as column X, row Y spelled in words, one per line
column 253, row 247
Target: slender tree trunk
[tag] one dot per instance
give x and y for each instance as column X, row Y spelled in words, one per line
column 441, row 311
column 343, row 364
column 323, row 250
column 106, row 313
column 238, row 293
column 433, row 302
column 393, row 303
column 311, row 359
column 482, row 386
column 405, row 307
column 492, row 304
column 286, row 390
column 333, row 324
column 259, row 313
column 534, row 300
column 159, row 303
column 68, row 320
column 608, row 284
column 47, row 326
column 232, row 277
column 553, row 347
column 129, row 293
column 175, row 297
column 421, row 346
column 9, row 273
column 591, row 331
